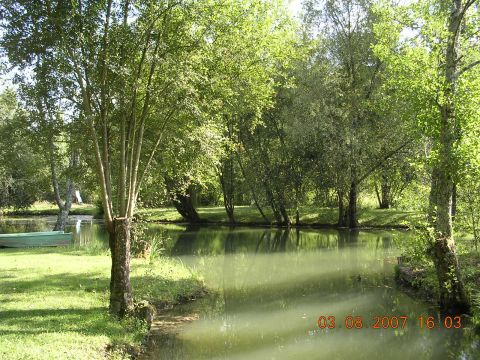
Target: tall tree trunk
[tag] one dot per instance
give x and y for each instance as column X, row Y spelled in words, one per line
column 121, row 299
column 341, row 210
column 272, row 203
column 453, row 297
column 226, row 182
column 284, row 213
column 351, row 220
column 379, row 197
column 63, row 207
column 252, row 190
column 385, row 189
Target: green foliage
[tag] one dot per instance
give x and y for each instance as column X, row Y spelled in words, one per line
column 23, row 176
column 415, row 248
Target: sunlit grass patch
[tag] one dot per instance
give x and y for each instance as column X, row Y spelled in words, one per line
column 309, row 215
column 54, row 304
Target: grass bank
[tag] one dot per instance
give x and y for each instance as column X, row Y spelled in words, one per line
column 53, row 303
column 421, row 278
column 246, row 215
column 45, row 208
column 309, row 215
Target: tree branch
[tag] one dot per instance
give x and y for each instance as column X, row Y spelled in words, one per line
column 467, row 67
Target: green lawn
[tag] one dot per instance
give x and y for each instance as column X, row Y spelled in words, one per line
column 309, row 215
column 46, row 208
column 53, row 302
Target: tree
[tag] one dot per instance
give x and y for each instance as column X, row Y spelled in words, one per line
column 359, row 135
column 22, row 171
column 128, row 69
column 436, row 65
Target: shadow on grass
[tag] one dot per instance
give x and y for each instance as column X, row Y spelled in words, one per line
column 90, row 321
column 154, row 288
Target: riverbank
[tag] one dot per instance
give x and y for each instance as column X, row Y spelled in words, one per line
column 45, row 208
column 55, row 303
column 309, row 216
column 420, row 280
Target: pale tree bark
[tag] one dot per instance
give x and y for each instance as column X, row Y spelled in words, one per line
column 63, row 206
column 227, row 178
column 453, row 297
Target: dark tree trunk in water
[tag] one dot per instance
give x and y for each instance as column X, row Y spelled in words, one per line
column 121, row 300
column 351, row 212
column 453, row 297
column 184, row 205
column 228, row 200
column 182, row 200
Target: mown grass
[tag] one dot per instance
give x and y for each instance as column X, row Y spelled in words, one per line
column 53, row 303
column 309, row 215
column 47, row 208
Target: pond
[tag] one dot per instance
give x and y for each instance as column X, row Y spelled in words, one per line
column 276, row 293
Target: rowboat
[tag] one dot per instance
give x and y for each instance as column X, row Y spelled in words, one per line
column 36, row 239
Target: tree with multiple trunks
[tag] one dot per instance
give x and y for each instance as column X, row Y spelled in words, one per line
column 130, row 70
column 359, row 136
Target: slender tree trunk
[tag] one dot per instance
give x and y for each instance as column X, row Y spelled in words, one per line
column 341, row 210
column 121, row 299
column 379, row 198
column 351, row 213
column 273, row 205
column 63, row 207
column 228, row 197
column 284, row 213
column 252, row 190
column 386, row 192
column 453, row 297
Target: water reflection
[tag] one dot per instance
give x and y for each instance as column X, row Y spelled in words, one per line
column 272, row 285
